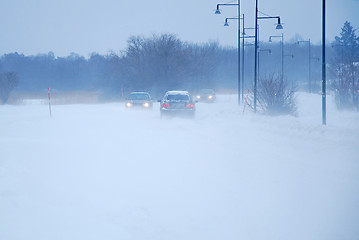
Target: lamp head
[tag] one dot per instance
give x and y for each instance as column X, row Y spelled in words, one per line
column 217, row 10
column 270, row 39
column 279, row 25
column 226, row 23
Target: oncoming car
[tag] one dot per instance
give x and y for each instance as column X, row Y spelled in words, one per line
column 139, row 99
column 177, row 103
column 206, row 95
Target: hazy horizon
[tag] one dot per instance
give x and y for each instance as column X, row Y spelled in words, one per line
column 88, row 26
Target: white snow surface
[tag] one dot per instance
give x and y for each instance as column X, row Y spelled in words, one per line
column 104, row 172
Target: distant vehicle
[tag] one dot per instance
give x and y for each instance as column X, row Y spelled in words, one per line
column 139, row 100
column 206, row 95
column 177, row 103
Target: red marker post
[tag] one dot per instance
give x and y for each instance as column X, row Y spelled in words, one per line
column 48, row 94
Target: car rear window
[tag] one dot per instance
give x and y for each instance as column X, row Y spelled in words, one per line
column 178, row 97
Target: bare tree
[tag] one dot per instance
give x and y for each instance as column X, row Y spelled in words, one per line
column 158, row 62
column 8, row 81
column 274, row 96
column 163, row 62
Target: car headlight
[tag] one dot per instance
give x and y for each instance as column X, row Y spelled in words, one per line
column 210, row 97
column 146, row 104
column 128, row 104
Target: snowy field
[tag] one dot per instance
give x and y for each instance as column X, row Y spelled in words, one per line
column 103, row 172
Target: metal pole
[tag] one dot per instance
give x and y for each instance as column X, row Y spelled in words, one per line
column 324, row 107
column 243, row 60
column 282, row 56
column 239, row 52
column 258, row 67
column 258, row 64
column 310, row 67
column 255, row 57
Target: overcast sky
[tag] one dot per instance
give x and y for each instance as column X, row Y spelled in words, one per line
column 86, row 26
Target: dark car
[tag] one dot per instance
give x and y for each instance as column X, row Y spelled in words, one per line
column 139, row 100
column 206, row 95
column 177, row 103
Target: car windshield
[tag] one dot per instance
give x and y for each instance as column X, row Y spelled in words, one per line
column 178, row 97
column 139, row 96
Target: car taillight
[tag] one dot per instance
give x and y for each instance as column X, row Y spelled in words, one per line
column 166, row 105
column 189, row 105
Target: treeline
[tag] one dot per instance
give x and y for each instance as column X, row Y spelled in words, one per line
column 156, row 64
column 344, row 68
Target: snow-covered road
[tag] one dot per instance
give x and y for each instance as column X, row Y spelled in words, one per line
column 105, row 172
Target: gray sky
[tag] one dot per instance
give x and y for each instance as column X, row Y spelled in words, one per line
column 86, row 26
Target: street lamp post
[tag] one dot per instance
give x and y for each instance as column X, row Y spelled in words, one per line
column 243, row 29
column 279, row 26
column 259, row 51
column 282, row 48
column 239, row 40
column 243, row 37
column 243, row 44
column 292, row 56
column 324, row 100
column 309, row 62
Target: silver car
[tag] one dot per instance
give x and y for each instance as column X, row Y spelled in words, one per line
column 177, row 103
column 139, row 100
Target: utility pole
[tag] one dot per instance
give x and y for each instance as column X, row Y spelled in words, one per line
column 324, row 94
column 255, row 56
column 239, row 52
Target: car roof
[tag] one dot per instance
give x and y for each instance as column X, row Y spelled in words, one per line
column 177, row 93
column 139, row 93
